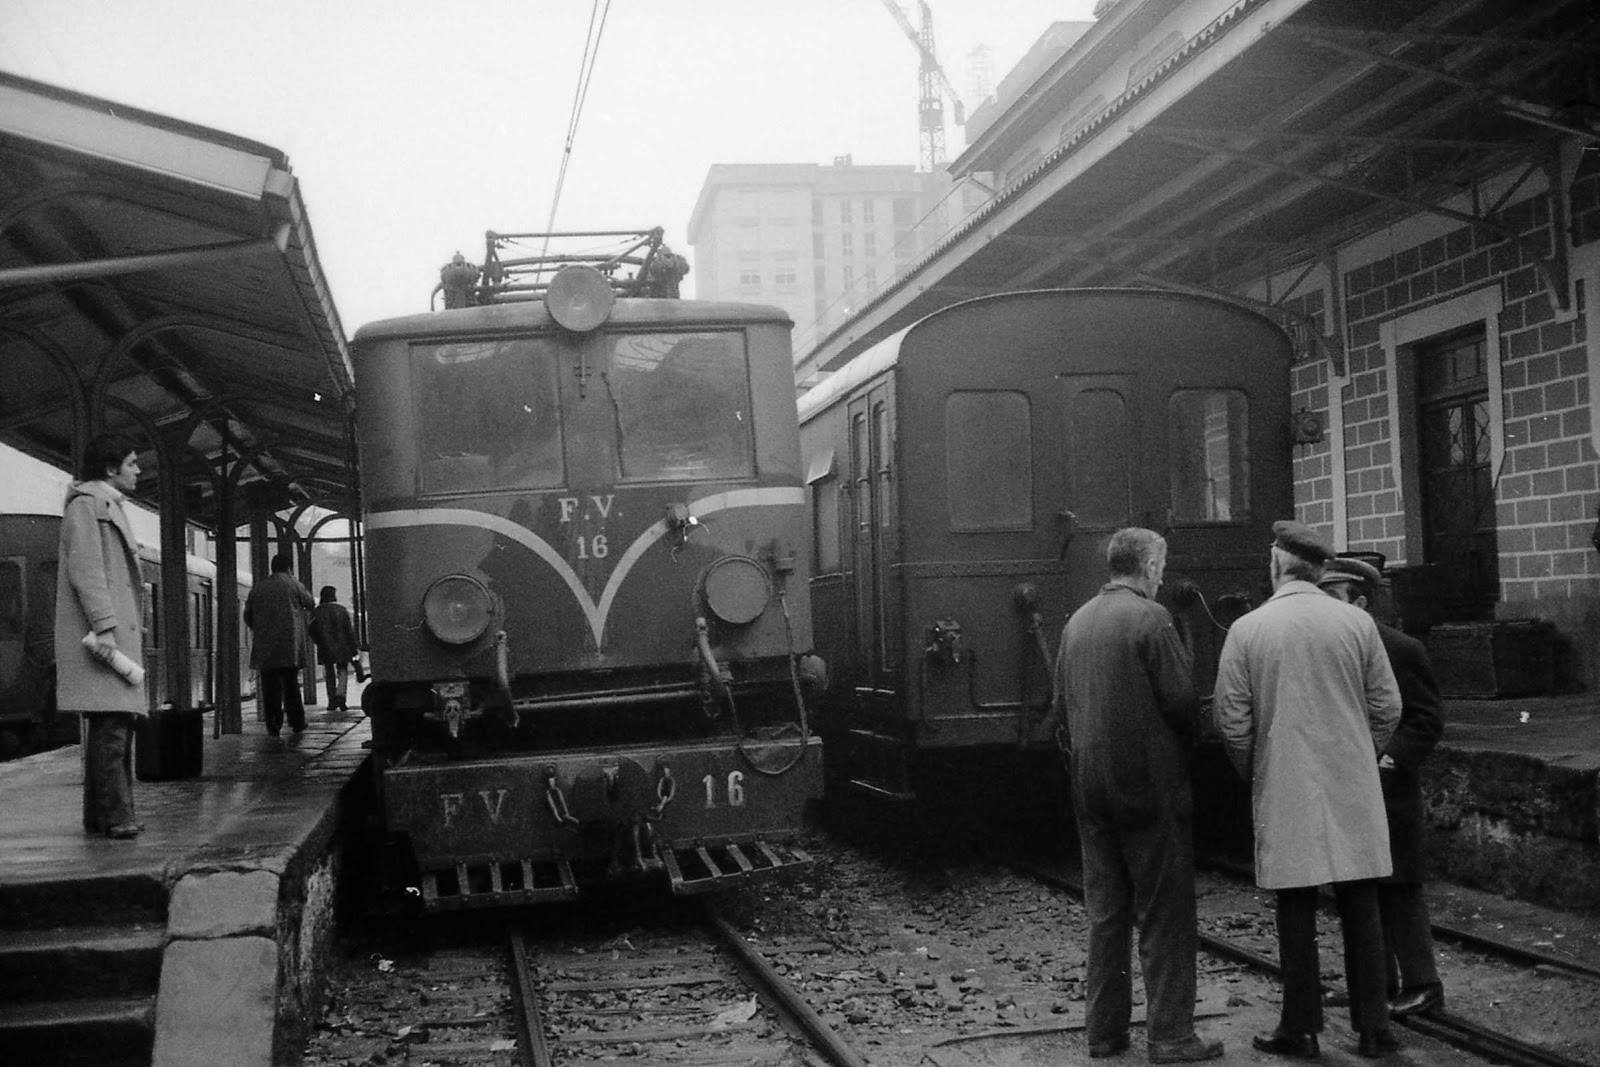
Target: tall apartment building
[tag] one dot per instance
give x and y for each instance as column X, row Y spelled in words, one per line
column 818, row 241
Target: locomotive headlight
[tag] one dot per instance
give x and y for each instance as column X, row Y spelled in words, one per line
column 579, row 298
column 457, row 609
column 736, row 589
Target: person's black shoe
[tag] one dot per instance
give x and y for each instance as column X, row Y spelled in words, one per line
column 1191, row 1049
column 1417, row 1002
column 1377, row 1043
column 1295, row 1046
column 1113, row 1046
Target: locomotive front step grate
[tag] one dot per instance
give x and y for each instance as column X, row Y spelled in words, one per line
column 693, row 869
column 498, row 884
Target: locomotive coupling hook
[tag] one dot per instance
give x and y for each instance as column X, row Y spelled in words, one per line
column 666, row 789
column 558, row 802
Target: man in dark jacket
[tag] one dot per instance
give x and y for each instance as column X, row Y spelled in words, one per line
column 335, row 638
column 1414, row 985
column 1125, row 686
column 275, row 611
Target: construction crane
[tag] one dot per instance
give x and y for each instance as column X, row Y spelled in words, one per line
column 931, row 81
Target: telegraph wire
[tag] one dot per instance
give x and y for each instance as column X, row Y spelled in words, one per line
column 591, row 51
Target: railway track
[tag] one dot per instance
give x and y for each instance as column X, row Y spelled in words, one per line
column 691, row 993
column 1457, row 1031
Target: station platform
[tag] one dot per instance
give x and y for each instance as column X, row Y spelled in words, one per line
column 1512, row 801
column 198, row 942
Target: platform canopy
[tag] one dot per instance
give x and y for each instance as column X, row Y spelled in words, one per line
column 161, row 279
column 1251, row 139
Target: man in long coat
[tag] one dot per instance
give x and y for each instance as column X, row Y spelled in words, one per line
column 1305, row 701
column 276, row 611
column 1124, row 682
column 1414, row 984
column 99, row 591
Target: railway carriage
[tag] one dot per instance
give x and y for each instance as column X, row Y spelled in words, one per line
column 965, row 476
column 29, row 552
column 588, row 601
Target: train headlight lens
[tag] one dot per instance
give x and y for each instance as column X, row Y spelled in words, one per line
column 579, row 298
column 737, row 589
column 457, row 609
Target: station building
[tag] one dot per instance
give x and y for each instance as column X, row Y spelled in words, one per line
column 1413, row 190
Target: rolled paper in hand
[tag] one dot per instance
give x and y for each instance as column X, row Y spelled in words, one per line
column 115, row 658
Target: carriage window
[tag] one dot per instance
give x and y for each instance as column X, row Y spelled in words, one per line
column 1210, row 464
column 11, row 606
column 825, row 525
column 988, row 461
column 682, row 405
column 487, row 415
column 1101, row 454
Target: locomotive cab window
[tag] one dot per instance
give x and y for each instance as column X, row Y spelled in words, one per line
column 488, row 416
column 988, row 461
column 682, row 404
column 1210, row 480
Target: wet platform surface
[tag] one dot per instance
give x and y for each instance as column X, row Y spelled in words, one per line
column 1562, row 731
column 251, row 796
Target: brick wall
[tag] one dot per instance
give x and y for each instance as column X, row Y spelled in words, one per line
column 1313, row 464
column 1547, row 493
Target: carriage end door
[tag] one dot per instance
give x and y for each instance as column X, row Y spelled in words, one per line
column 871, row 519
column 1102, row 490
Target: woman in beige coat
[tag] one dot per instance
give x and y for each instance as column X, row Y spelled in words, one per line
column 99, row 592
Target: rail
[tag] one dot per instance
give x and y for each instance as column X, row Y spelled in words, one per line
column 1440, row 1025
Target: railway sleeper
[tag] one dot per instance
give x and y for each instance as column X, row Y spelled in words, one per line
column 699, row 868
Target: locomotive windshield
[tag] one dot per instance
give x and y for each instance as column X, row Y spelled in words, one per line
column 682, row 405
column 488, row 415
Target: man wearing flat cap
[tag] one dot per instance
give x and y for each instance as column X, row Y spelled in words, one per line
column 1413, row 972
column 1305, row 701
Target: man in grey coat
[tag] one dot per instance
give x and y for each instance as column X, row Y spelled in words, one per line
column 1125, row 685
column 276, row 614
column 1305, row 701
column 99, row 591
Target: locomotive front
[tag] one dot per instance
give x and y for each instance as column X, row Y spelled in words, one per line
column 588, row 612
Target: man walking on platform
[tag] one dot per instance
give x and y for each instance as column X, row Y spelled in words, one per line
column 1305, row 701
column 1414, row 985
column 335, row 638
column 276, row 613
column 1125, row 687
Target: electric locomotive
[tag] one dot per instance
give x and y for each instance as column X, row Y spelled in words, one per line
column 966, row 474
column 589, row 618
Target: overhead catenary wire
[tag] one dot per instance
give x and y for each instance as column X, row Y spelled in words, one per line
column 591, row 51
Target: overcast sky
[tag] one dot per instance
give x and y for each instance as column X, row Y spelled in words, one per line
column 415, row 126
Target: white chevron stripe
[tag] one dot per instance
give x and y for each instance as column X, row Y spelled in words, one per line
column 595, row 613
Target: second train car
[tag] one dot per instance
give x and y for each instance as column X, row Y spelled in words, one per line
column 29, row 550
column 589, row 607
column 965, row 476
